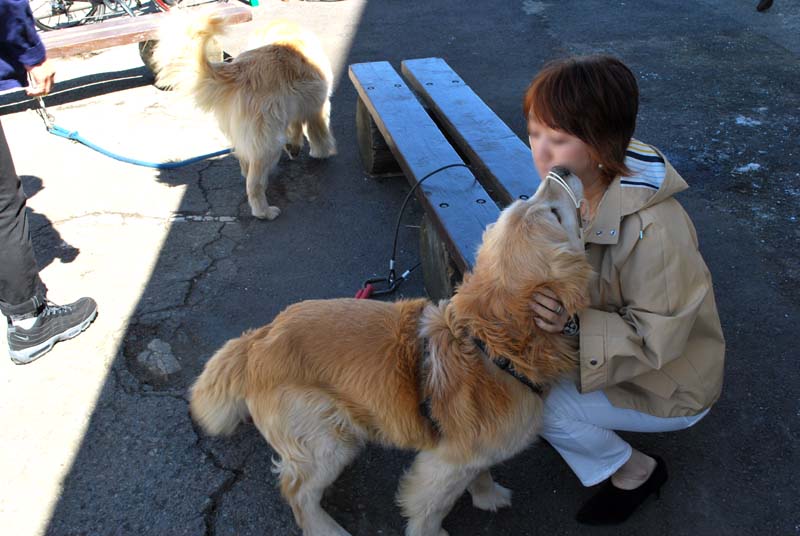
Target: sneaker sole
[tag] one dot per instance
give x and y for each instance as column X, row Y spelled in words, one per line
column 35, row 352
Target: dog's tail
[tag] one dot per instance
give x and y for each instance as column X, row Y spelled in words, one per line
column 181, row 54
column 218, row 395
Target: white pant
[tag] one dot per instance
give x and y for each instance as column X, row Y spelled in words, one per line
column 580, row 427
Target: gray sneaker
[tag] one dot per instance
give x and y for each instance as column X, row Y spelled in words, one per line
column 53, row 323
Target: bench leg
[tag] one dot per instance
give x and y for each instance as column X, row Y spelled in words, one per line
column 438, row 270
column 376, row 157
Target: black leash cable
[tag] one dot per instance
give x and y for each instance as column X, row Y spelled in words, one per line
column 392, row 280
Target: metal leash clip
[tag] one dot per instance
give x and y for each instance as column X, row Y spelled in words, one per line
column 49, row 120
column 387, row 284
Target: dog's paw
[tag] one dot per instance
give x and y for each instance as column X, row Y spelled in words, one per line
column 315, row 152
column 322, row 152
column 270, row 213
column 498, row 497
column 292, row 150
column 417, row 531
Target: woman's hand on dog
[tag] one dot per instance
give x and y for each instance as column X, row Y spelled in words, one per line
column 548, row 312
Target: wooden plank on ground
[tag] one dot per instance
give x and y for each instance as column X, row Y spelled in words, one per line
column 456, row 202
column 122, row 31
column 500, row 159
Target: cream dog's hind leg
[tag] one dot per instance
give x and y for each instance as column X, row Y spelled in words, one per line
column 318, row 130
column 257, row 176
column 315, row 443
column 294, row 139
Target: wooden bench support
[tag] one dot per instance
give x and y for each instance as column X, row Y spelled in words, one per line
column 456, row 204
column 440, row 275
column 376, row 157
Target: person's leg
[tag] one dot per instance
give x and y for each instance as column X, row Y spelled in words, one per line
column 21, row 291
column 581, row 428
column 34, row 325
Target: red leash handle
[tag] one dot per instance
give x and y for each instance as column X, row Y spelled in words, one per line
column 364, row 292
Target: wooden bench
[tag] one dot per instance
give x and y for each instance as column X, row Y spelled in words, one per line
column 453, row 115
column 124, row 30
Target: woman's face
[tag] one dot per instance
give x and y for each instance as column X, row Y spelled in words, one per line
column 551, row 147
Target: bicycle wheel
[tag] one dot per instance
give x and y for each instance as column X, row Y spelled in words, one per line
column 117, row 7
column 55, row 14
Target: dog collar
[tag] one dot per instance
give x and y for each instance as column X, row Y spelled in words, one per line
column 506, row 365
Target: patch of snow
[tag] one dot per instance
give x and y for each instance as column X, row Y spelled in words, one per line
column 747, row 121
column 532, row 7
column 752, row 166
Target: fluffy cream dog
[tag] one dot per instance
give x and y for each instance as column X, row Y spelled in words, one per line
column 328, row 375
column 265, row 99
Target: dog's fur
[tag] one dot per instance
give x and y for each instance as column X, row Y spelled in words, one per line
column 265, row 99
column 328, row 375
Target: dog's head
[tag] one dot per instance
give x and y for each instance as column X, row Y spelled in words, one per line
column 534, row 244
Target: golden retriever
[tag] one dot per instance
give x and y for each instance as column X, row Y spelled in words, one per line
column 328, row 375
column 264, row 100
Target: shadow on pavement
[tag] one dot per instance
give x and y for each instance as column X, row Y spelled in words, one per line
column 47, row 242
column 77, row 89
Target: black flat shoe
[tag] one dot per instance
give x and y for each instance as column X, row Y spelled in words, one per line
column 764, row 5
column 612, row 506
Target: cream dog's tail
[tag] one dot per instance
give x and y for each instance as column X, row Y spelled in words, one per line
column 181, row 54
column 217, row 397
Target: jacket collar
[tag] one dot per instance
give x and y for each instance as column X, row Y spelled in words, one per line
column 653, row 180
column 605, row 227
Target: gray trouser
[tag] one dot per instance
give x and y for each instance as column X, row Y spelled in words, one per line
column 21, row 291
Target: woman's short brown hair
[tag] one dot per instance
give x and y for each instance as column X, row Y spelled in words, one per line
column 594, row 98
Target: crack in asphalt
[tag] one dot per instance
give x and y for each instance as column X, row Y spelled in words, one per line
column 234, row 474
column 210, row 510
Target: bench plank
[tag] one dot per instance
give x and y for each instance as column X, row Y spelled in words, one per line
column 501, row 160
column 122, row 31
column 457, row 204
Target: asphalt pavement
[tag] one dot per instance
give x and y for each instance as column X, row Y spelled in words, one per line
column 95, row 441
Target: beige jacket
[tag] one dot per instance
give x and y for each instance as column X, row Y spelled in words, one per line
column 651, row 340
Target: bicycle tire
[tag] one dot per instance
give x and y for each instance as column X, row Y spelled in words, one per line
column 68, row 17
column 114, row 6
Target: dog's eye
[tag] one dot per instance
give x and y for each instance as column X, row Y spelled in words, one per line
column 557, row 215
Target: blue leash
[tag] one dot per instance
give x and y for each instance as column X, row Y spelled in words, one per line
column 75, row 136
